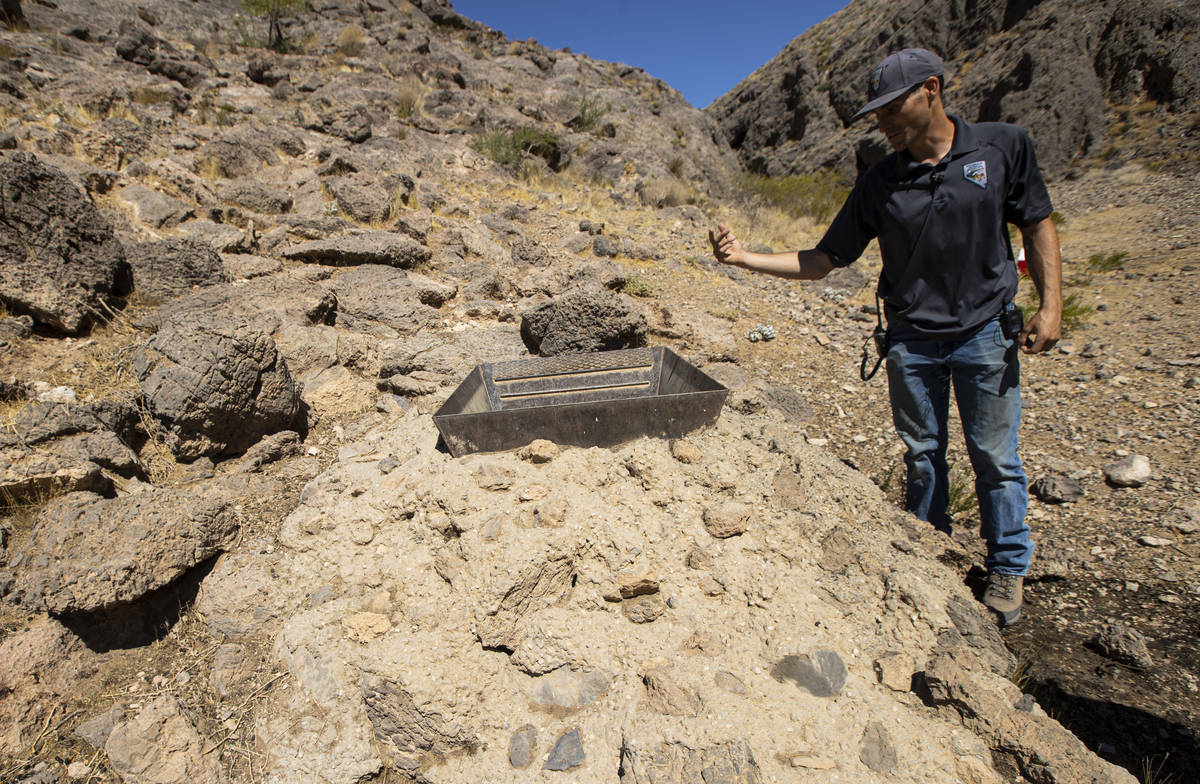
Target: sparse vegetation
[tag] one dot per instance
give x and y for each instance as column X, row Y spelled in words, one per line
column 408, row 96
column 509, row 148
column 963, row 499
column 817, row 195
column 352, row 41
column 731, row 314
column 1075, row 311
column 665, row 193
column 274, row 11
column 150, row 96
column 1151, row 771
column 1100, row 262
column 637, row 287
column 590, row 114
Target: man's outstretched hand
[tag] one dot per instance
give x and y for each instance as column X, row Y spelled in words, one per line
column 727, row 249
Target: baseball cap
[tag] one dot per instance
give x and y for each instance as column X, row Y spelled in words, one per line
column 898, row 73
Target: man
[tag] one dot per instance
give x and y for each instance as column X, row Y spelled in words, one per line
column 939, row 205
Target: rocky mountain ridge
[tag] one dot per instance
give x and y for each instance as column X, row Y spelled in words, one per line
column 1070, row 72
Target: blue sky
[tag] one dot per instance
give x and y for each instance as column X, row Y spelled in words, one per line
column 702, row 48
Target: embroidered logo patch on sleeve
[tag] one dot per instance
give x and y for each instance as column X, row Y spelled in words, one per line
column 976, row 172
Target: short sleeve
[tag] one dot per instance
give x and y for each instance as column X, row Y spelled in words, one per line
column 1027, row 200
column 852, row 229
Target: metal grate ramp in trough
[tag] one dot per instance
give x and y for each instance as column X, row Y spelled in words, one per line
column 598, row 399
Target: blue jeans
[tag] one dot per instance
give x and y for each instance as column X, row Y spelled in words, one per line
column 985, row 372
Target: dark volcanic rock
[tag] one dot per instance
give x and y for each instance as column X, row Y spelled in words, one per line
column 583, row 320
column 138, row 45
column 169, row 268
column 59, row 260
column 88, row 553
column 1123, row 644
column 389, row 296
column 217, row 387
column 1057, row 489
column 253, row 195
column 372, row 247
column 822, row 673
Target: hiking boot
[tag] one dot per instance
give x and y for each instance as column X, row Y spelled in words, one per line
column 1004, row 596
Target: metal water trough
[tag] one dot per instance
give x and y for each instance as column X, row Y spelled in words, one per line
column 597, row 399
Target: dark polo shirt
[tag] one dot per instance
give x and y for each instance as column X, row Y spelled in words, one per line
column 947, row 261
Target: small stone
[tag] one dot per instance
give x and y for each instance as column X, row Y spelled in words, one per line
column 644, row 609
column 605, row 247
column 730, row 519
column 666, row 696
column 78, row 770
column 389, row 464
column 894, row 671
column 565, row 688
column 539, row 451
column 1132, row 471
column 686, row 452
column 1057, row 489
column 822, row 673
column 877, row 751
column 1123, row 644
column 567, row 752
column 522, row 746
column 698, row 559
column 1154, row 541
column 1186, row 528
column 365, row 626
column 731, row 683
column 392, row 404
column 631, row 586
column 95, row 731
column 533, row 493
column 811, row 762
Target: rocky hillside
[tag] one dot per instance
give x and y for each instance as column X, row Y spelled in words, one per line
column 1110, row 80
column 237, row 283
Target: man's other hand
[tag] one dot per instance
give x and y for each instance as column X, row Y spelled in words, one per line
column 1042, row 332
column 727, row 249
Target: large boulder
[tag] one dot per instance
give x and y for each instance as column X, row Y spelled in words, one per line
column 170, row 268
column 81, row 461
column 89, row 553
column 59, row 260
column 217, row 386
column 253, row 195
column 369, row 247
column 406, row 302
column 138, row 45
column 583, row 320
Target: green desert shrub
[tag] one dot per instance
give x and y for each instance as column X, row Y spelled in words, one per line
column 817, row 194
column 509, row 148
